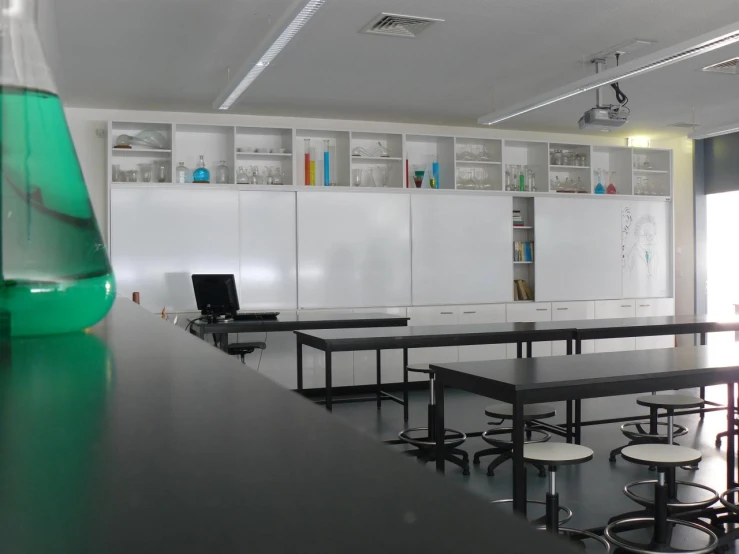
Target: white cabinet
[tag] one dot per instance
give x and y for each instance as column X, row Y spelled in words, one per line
column 314, row 363
column 572, row 311
column 485, row 313
column 651, row 307
column 611, row 309
column 432, row 315
column 365, row 361
column 530, row 312
column 279, row 360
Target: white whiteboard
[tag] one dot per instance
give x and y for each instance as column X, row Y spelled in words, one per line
column 645, row 237
column 354, row 249
column 577, row 250
column 160, row 237
column 461, row 249
column 268, row 250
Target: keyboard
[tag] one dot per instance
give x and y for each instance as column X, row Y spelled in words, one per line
column 254, row 316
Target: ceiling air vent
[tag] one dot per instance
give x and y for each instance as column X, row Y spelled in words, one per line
column 396, row 25
column 728, row 66
column 683, row 125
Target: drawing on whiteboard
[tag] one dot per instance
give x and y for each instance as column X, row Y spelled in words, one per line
column 625, row 226
column 643, row 258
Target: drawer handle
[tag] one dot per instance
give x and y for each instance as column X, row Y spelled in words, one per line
column 644, row 305
column 447, row 313
column 542, row 309
column 626, row 306
column 562, row 309
column 469, row 312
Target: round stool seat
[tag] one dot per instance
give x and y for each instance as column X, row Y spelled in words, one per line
column 530, row 411
column 420, row 368
column 452, row 438
column 661, row 455
column 556, row 453
column 670, row 401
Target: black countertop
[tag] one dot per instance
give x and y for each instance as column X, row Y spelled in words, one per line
column 291, row 321
column 437, row 335
column 650, row 326
column 140, row 438
column 602, row 374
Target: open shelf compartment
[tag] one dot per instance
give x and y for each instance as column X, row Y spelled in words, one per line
column 422, row 150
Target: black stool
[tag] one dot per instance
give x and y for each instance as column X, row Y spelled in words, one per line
column 553, row 455
column 664, row 457
column 504, row 448
column 426, row 443
column 635, row 432
column 243, row 348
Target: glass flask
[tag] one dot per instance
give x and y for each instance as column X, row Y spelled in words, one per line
column 55, row 276
column 201, row 174
column 279, row 177
column 242, row 177
column 181, row 173
column 611, row 187
column 599, row 189
column 222, row 173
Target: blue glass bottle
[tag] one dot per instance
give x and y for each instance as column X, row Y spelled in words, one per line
column 599, row 187
column 201, row 174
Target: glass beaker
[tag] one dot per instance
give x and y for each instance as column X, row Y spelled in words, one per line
column 356, row 177
column 222, row 173
column 55, row 276
column 181, row 173
column 145, row 173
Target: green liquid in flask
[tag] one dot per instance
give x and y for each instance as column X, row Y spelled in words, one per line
column 55, row 276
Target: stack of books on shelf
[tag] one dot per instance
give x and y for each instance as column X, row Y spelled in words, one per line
column 521, row 290
column 523, row 251
column 517, row 219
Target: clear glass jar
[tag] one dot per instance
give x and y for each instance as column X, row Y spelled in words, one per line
column 222, row 173
column 242, row 177
column 181, row 173
column 557, row 157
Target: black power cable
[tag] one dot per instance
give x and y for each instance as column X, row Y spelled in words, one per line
column 620, row 96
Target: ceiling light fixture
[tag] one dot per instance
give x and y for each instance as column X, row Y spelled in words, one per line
column 699, row 45
column 290, row 24
column 639, row 142
column 715, row 131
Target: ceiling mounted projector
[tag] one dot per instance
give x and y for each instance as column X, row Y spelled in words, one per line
column 601, row 119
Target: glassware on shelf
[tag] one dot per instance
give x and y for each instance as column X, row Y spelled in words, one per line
column 115, row 174
column 269, row 178
column 253, row 175
column 181, row 173
column 380, row 175
column 419, row 172
column 55, row 276
column 379, row 152
column 557, row 157
column 647, row 164
column 278, row 177
column 313, row 166
column 222, row 173
column 356, row 177
column 145, row 172
column 647, row 187
column 333, row 181
column 160, row 171
column 580, row 186
column 521, row 178
column 306, row 143
column 599, row 188
column 242, row 177
column 532, row 181
column 584, row 160
column 484, row 155
column 132, row 176
column 611, row 187
column 435, row 174
column 565, row 157
column 326, row 164
column 145, row 139
column 638, row 187
column 201, row 174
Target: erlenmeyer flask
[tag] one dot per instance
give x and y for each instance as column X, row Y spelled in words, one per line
column 55, row 276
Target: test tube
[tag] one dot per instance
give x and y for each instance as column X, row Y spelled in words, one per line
column 306, row 142
column 326, row 161
column 313, row 165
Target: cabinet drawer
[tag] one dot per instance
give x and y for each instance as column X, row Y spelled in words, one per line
column 485, row 313
column 609, row 309
column 432, row 315
column 570, row 311
column 651, row 307
column 529, row 312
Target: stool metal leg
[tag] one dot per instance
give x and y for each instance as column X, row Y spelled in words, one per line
column 379, row 381
column 405, row 385
column 552, row 502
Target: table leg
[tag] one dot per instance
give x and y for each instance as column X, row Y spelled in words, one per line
column 329, row 399
column 529, row 350
column 405, row 385
column 439, row 422
column 300, row 363
column 379, row 381
column 569, row 347
column 569, row 421
column 578, row 346
column 703, row 389
column 519, row 469
column 730, row 444
column 223, row 341
column 578, row 421
column 519, row 350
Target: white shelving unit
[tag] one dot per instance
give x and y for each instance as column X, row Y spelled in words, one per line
column 525, row 270
column 284, row 148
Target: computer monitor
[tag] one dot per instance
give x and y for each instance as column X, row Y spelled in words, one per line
column 216, row 294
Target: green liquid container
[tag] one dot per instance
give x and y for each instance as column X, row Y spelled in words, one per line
column 55, row 276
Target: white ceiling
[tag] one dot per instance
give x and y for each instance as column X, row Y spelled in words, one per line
column 173, row 55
